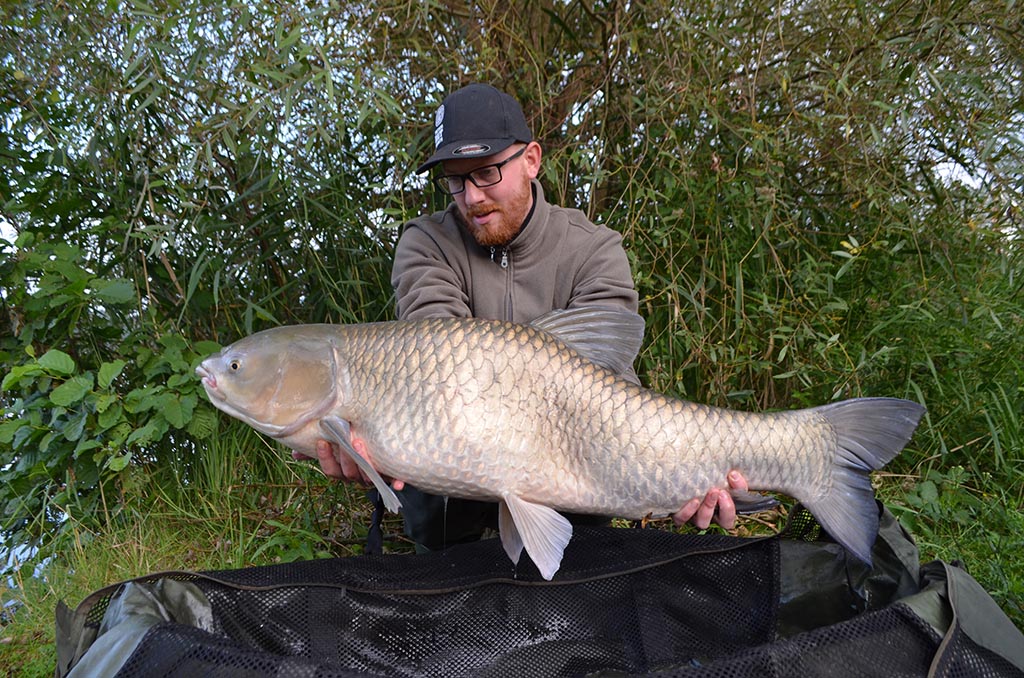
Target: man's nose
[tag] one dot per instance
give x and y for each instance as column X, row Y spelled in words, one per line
column 473, row 195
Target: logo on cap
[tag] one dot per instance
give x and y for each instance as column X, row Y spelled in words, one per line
column 439, row 126
column 471, row 149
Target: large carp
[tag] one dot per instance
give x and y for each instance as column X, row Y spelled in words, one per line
column 535, row 418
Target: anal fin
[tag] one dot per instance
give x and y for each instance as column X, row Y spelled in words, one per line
column 510, row 539
column 543, row 531
column 748, row 503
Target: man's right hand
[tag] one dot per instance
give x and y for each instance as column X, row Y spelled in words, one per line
column 340, row 466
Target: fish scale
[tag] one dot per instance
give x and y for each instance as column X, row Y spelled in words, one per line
column 526, row 416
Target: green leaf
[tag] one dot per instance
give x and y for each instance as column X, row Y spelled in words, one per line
column 188, row 404
column 109, row 371
column 120, row 462
column 44, row 444
column 172, row 411
column 75, row 426
column 56, row 361
column 72, row 390
column 203, row 424
column 153, row 430
column 142, row 399
column 118, row 434
column 21, row 435
column 104, row 401
column 84, row 445
column 110, row 416
column 14, row 377
column 177, row 380
column 8, row 429
column 205, row 348
column 928, row 492
column 118, row 291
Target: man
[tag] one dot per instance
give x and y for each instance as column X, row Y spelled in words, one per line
column 500, row 251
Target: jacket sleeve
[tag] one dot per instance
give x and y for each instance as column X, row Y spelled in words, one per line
column 426, row 283
column 603, row 277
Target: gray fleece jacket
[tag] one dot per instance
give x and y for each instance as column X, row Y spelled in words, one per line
column 559, row 260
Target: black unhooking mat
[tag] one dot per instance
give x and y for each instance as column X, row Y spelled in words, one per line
column 624, row 602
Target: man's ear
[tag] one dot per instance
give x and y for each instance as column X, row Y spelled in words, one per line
column 533, row 155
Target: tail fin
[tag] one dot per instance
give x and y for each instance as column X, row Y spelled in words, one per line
column 870, row 432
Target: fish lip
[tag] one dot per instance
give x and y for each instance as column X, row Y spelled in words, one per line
column 208, row 379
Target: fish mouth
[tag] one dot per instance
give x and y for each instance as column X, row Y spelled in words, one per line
column 209, row 381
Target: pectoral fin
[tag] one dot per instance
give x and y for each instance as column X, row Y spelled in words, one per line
column 608, row 336
column 542, row 530
column 337, row 430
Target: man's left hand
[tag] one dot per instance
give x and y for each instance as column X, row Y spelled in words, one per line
column 701, row 513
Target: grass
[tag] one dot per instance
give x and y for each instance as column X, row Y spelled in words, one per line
column 975, row 520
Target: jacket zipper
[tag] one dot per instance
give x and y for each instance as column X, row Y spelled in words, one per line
column 504, row 256
column 508, row 280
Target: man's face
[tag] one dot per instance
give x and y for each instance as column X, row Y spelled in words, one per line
column 494, row 214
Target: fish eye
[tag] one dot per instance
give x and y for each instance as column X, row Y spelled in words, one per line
column 234, row 365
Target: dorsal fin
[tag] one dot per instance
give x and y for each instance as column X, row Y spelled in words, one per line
column 610, row 337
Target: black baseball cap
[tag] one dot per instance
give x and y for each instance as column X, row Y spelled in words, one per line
column 474, row 121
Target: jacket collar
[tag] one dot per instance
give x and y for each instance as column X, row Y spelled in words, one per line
column 531, row 232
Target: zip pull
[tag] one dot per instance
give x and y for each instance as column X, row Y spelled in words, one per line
column 504, row 256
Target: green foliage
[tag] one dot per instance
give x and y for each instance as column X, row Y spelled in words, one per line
column 107, row 396
column 818, row 201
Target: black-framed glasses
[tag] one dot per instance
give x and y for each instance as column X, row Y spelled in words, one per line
column 481, row 177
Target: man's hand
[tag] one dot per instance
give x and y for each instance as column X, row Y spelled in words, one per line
column 701, row 513
column 340, row 466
